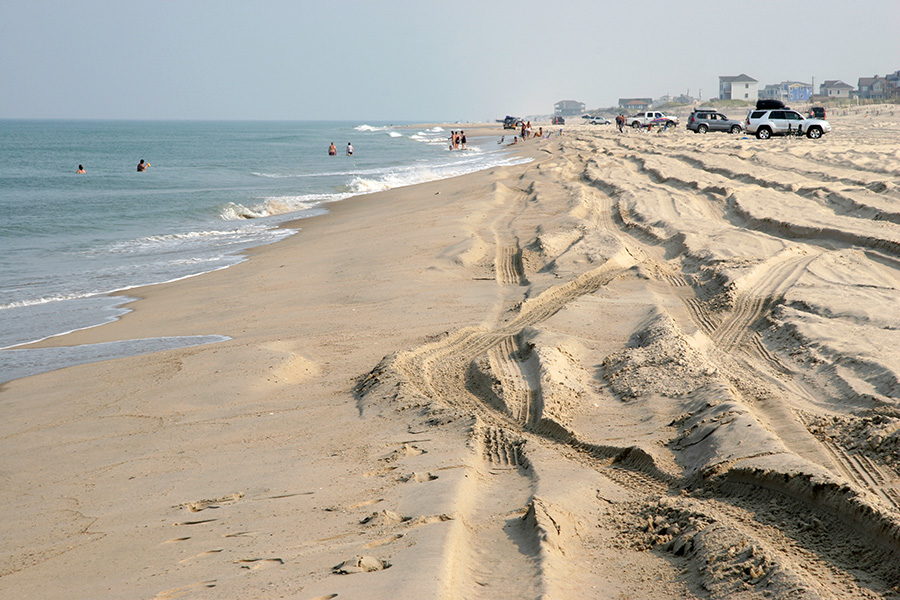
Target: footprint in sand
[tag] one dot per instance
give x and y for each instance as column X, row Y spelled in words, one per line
column 417, row 477
column 383, row 541
column 365, row 503
column 254, row 564
column 385, row 517
column 184, row 590
column 404, row 451
column 199, row 505
column 200, row 522
column 360, row 564
column 200, row 555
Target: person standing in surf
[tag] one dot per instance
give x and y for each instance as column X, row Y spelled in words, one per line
column 332, row 150
column 142, row 166
column 349, row 149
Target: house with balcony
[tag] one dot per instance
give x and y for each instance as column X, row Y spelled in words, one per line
column 835, row 88
column 738, row 87
column 635, row 103
column 872, row 88
column 568, row 108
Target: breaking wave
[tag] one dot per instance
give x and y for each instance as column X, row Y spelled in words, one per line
column 277, row 205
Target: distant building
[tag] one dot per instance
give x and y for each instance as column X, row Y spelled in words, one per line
column 770, row 92
column 568, row 108
column 872, row 88
column 879, row 88
column 787, row 91
column 738, row 87
column 635, row 103
column 835, row 88
column 893, row 81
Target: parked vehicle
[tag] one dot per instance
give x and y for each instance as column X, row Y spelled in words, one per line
column 817, row 112
column 646, row 118
column 511, row 122
column 558, row 121
column 702, row 121
column 766, row 123
column 599, row 121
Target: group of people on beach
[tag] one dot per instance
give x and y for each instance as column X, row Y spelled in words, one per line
column 332, row 149
column 141, row 167
column 526, row 132
column 457, row 140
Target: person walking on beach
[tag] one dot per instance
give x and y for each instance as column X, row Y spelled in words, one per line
column 142, row 166
column 462, row 140
column 349, row 149
column 80, row 170
column 332, row 150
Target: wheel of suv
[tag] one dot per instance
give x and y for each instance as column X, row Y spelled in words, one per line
column 814, row 132
column 636, row 125
column 735, row 129
column 670, row 124
column 702, row 128
column 763, row 133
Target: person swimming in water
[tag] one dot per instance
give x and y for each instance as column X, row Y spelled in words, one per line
column 332, row 150
column 142, row 166
column 80, row 170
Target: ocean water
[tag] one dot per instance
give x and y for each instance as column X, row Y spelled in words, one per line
column 213, row 190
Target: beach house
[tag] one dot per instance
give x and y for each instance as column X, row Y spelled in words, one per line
column 835, row 88
column 872, row 88
column 635, row 103
column 738, row 87
column 568, row 108
column 787, row 91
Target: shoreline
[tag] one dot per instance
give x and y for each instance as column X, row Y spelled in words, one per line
column 626, row 368
column 480, row 129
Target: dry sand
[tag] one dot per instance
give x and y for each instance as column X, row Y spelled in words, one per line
column 641, row 366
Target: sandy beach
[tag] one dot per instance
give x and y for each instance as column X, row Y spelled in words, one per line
column 639, row 366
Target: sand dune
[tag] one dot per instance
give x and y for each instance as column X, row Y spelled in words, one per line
column 641, row 366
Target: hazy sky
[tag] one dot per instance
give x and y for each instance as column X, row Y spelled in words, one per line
column 416, row 59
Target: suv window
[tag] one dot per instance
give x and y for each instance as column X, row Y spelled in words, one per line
column 794, row 116
column 778, row 114
column 757, row 114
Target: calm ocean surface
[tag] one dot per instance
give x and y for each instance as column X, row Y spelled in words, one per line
column 214, row 189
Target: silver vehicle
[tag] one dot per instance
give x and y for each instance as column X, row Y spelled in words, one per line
column 766, row 123
column 702, row 121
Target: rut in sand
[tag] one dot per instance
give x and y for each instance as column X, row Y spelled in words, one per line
column 648, row 344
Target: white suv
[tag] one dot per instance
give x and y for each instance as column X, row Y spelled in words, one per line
column 784, row 121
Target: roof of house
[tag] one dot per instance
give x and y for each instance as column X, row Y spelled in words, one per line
column 734, row 78
column 868, row 80
column 569, row 102
column 837, row 83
